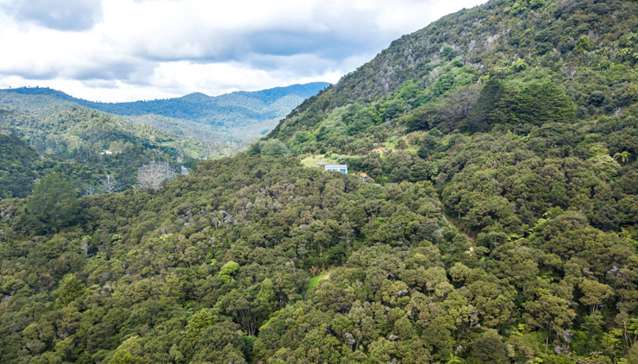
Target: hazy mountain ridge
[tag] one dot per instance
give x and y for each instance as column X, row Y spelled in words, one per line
column 234, row 109
column 90, row 144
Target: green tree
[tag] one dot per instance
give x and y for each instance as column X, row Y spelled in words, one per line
column 520, row 104
column 594, row 293
column 274, row 148
column 549, row 312
column 632, row 355
column 54, row 204
column 70, row 288
column 488, row 348
column 623, row 157
column 228, row 270
column 131, row 351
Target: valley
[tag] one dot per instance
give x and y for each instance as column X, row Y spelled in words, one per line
column 95, row 142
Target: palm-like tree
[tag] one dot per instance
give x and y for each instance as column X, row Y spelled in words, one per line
column 622, row 157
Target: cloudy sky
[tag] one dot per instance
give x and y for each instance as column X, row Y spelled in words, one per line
column 117, row 50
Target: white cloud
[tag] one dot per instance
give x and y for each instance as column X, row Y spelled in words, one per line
column 159, row 48
column 55, row 14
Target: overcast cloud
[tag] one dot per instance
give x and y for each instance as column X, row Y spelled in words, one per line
column 116, row 50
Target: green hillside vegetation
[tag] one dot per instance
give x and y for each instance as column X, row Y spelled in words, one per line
column 202, row 126
column 18, row 166
column 83, row 144
column 499, row 223
column 233, row 109
column 21, row 166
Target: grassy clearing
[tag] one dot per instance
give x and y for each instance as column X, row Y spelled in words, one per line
column 314, row 281
column 316, row 160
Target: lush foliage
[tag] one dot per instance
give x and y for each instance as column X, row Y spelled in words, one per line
column 54, row 204
column 85, row 145
column 492, row 217
column 18, row 166
column 200, row 126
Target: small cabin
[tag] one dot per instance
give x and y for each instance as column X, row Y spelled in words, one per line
column 340, row 168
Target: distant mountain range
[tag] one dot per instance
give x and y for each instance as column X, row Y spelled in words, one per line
column 233, row 109
column 209, row 126
column 44, row 130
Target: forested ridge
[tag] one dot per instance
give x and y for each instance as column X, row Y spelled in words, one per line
column 491, row 217
column 233, row 108
column 197, row 125
column 80, row 139
column 41, row 135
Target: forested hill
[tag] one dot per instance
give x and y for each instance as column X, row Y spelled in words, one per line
column 96, row 142
column 40, row 134
column 587, row 48
column 17, row 169
column 491, row 216
column 234, row 109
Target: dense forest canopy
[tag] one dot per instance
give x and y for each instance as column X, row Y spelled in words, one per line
column 200, row 126
column 492, row 217
column 39, row 135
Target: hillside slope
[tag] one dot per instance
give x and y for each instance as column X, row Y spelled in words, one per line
column 205, row 126
column 548, row 81
column 492, row 218
column 587, row 47
column 86, row 145
column 17, row 167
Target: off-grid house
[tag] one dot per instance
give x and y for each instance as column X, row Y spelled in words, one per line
column 340, row 168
